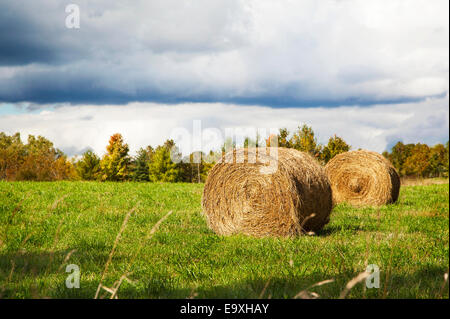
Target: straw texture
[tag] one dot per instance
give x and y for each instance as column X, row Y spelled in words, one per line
column 239, row 198
column 363, row 178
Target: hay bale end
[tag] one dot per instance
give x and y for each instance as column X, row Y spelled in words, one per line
column 239, row 198
column 363, row 178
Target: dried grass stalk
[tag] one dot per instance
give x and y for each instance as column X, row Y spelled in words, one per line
column 239, row 198
column 363, row 178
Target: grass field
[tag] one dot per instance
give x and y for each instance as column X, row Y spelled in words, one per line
column 46, row 226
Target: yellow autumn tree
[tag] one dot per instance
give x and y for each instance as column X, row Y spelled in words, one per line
column 115, row 163
column 336, row 145
column 304, row 140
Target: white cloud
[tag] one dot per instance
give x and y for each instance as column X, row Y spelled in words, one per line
column 74, row 128
column 265, row 52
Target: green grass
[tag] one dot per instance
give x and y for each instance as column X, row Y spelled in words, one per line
column 409, row 241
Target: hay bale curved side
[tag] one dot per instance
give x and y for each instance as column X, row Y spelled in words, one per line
column 363, row 178
column 239, row 198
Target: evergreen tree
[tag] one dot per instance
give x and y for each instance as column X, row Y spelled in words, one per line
column 88, row 167
column 195, row 168
column 141, row 164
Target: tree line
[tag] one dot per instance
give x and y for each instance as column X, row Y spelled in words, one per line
column 39, row 160
column 420, row 160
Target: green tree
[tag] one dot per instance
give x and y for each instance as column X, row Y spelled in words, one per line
column 283, row 140
column 439, row 161
column 418, row 163
column 399, row 153
column 43, row 162
column 141, row 164
column 335, row 146
column 88, row 167
column 196, row 166
column 37, row 160
column 162, row 168
column 12, row 155
column 304, row 140
column 115, row 163
column 40, row 145
column 446, row 169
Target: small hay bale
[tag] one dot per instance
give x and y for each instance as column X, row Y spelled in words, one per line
column 363, row 178
column 239, row 198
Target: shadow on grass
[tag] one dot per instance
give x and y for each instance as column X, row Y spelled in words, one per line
column 42, row 275
column 331, row 230
column 426, row 283
column 338, row 229
column 35, row 275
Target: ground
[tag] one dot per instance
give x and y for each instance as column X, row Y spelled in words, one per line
column 46, row 226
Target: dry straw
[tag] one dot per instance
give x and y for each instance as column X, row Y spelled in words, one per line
column 363, row 178
column 239, row 198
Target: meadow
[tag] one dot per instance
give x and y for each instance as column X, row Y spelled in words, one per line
column 45, row 226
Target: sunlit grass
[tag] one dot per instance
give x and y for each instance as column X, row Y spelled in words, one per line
column 41, row 223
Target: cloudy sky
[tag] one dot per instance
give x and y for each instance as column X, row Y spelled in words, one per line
column 373, row 72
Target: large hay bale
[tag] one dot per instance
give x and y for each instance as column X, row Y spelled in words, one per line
column 363, row 178
column 240, row 198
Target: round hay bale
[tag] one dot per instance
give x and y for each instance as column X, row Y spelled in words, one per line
column 240, row 197
column 363, row 178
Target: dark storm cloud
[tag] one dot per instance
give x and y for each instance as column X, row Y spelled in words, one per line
column 79, row 87
column 254, row 52
column 22, row 46
column 20, row 39
column 32, row 34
